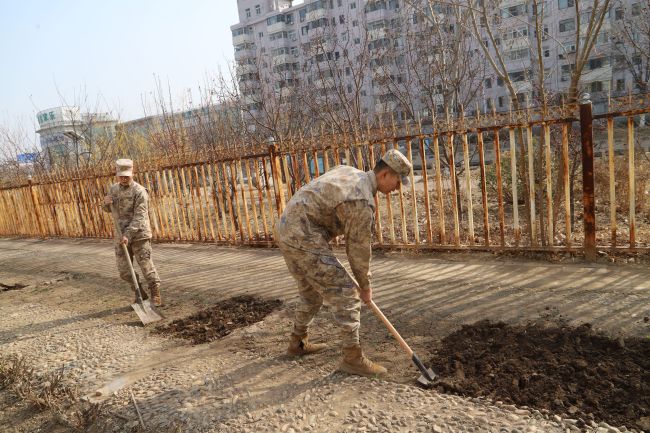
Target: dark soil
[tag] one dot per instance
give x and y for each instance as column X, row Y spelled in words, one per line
column 221, row 319
column 7, row 287
column 573, row 372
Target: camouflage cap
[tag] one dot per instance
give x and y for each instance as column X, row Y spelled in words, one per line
column 124, row 167
column 399, row 163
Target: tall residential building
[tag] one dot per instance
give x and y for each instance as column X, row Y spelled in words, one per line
column 281, row 44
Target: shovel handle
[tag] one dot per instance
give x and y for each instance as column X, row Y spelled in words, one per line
column 390, row 327
column 133, row 276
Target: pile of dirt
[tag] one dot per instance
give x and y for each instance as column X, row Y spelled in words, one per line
column 574, row 372
column 221, row 319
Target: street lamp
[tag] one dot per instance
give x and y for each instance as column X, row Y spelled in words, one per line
column 75, row 137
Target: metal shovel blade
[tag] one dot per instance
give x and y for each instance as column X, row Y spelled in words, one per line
column 428, row 376
column 427, row 381
column 146, row 312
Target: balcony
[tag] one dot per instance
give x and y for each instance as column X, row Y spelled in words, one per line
column 246, row 69
column 276, row 27
column 385, row 107
column 316, row 15
column 378, row 14
column 247, row 53
column 325, row 83
column 282, row 59
column 377, row 34
column 525, row 86
column 601, row 74
column 243, row 38
column 515, row 44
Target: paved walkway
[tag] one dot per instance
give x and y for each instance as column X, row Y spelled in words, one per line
column 74, row 314
column 453, row 289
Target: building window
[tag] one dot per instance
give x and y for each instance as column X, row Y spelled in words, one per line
column 501, row 101
column 619, row 14
column 339, row 3
column 488, row 83
column 563, row 4
column 514, row 11
column 353, row 5
column 620, row 84
column 341, row 19
column 260, row 35
column 636, row 9
column 355, row 23
column 248, row 13
column 567, row 25
column 596, row 63
column 547, row 53
column 597, row 86
column 258, row 9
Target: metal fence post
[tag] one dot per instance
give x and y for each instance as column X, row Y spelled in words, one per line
column 587, row 140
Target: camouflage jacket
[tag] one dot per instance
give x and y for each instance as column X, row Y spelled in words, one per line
column 130, row 211
column 340, row 202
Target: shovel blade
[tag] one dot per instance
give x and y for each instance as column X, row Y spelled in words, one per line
column 427, row 380
column 146, row 312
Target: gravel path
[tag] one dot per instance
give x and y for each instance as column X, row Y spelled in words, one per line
column 223, row 387
column 72, row 315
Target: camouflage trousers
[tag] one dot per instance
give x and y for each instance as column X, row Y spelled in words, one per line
column 141, row 250
column 322, row 280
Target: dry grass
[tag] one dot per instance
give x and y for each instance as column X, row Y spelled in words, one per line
column 50, row 393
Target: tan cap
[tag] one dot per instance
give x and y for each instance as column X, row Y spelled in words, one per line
column 124, row 167
column 399, row 163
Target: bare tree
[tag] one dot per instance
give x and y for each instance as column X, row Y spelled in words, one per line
column 631, row 42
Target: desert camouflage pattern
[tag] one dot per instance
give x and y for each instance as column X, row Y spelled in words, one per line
column 141, row 251
column 340, row 202
column 131, row 205
column 322, row 280
column 399, row 163
column 130, row 210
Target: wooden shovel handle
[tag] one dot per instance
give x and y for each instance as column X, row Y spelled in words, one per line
column 390, row 327
column 128, row 259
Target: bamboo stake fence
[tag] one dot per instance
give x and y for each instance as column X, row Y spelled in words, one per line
column 519, row 199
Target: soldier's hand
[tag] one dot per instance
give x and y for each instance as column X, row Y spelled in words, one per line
column 366, row 295
column 125, row 240
column 108, row 199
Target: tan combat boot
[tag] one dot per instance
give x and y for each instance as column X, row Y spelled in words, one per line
column 354, row 362
column 155, row 294
column 299, row 345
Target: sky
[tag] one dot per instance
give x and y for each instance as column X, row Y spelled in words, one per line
column 108, row 54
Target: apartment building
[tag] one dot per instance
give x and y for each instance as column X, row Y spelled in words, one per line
column 274, row 42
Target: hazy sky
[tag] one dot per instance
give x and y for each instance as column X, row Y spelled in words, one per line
column 107, row 52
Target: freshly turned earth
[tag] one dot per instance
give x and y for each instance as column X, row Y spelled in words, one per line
column 574, row 372
column 221, row 319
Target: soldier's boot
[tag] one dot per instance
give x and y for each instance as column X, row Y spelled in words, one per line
column 155, row 294
column 299, row 345
column 354, row 362
column 143, row 293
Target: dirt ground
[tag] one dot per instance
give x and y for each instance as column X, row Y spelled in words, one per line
column 220, row 320
column 570, row 371
column 72, row 311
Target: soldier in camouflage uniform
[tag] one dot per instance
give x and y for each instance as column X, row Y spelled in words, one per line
column 128, row 202
column 340, row 202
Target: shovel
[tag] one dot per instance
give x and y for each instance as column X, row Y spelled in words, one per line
column 143, row 309
column 428, row 376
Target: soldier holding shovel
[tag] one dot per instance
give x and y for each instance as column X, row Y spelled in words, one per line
column 128, row 202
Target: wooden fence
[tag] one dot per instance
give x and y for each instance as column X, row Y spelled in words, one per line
column 471, row 188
